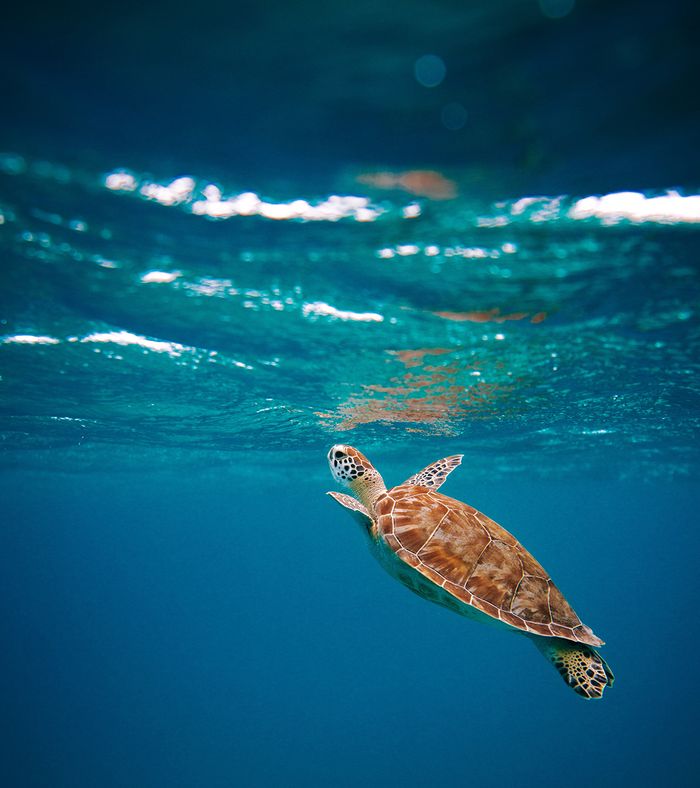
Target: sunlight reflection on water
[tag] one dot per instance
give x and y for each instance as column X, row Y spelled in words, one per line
column 537, row 323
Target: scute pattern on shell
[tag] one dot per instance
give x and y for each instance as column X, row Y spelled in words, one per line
column 478, row 562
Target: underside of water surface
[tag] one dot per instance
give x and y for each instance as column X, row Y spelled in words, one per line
column 179, row 317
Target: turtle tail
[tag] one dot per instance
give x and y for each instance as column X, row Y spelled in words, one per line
column 582, row 668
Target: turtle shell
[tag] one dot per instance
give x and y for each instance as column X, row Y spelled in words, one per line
column 475, row 560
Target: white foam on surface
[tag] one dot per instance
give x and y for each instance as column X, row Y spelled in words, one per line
column 670, row 208
column 411, row 211
column 127, row 338
column 320, row 308
column 174, row 350
column 29, row 339
column 176, row 192
column 160, row 276
column 121, row 182
column 609, row 209
column 210, row 201
column 332, row 209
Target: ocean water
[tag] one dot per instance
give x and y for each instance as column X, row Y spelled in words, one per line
column 203, row 291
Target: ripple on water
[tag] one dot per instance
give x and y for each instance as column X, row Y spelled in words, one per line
column 555, row 335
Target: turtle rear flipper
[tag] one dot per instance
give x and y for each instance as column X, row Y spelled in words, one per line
column 582, row 668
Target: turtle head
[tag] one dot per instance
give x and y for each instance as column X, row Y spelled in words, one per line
column 352, row 469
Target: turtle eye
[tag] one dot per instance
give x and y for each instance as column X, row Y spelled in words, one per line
column 339, row 455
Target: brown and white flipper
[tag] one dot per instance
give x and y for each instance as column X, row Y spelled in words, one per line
column 434, row 475
column 582, row 668
column 357, row 510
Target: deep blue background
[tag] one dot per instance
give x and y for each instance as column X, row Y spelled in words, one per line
column 161, row 630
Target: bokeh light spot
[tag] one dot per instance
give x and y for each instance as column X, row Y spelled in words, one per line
column 454, row 116
column 430, row 70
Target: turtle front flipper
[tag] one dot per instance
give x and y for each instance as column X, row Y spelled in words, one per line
column 357, row 510
column 434, row 475
column 582, row 668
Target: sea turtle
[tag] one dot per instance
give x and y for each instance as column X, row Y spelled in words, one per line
column 453, row 555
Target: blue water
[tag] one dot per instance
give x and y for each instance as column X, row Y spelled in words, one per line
column 230, row 239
